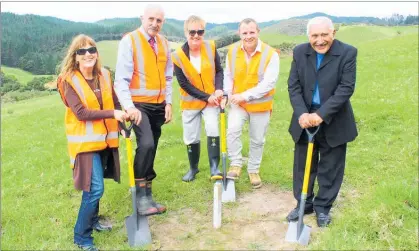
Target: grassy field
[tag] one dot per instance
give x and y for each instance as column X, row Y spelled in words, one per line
column 355, row 35
column 109, row 51
column 22, row 76
column 378, row 203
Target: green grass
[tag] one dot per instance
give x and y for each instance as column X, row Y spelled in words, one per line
column 381, row 182
column 359, row 34
column 22, row 76
column 109, row 51
column 354, row 35
column 378, row 204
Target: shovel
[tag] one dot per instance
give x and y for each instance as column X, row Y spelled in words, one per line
column 137, row 226
column 298, row 231
column 229, row 190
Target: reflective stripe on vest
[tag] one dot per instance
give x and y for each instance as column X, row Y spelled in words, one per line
column 89, row 136
column 146, row 86
column 261, row 68
column 204, row 81
column 257, row 105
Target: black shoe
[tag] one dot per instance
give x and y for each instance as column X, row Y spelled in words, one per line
column 323, row 220
column 293, row 215
column 102, row 227
column 88, row 248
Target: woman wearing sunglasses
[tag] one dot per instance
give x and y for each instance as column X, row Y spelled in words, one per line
column 200, row 75
column 92, row 131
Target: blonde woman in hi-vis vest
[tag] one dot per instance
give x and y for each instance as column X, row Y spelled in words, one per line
column 252, row 69
column 200, row 76
column 92, row 131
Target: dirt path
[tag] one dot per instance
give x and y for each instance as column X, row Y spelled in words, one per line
column 256, row 221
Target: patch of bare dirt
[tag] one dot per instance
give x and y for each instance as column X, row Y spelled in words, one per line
column 256, row 221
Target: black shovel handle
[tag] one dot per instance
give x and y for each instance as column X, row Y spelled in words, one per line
column 312, row 134
column 126, row 129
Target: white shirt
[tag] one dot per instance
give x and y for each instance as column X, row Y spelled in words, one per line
column 196, row 62
column 263, row 87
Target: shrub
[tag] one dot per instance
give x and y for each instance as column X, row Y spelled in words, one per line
column 38, row 84
column 15, row 96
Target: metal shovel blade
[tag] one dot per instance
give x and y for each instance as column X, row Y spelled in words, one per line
column 217, row 207
column 138, row 230
column 229, row 194
column 293, row 235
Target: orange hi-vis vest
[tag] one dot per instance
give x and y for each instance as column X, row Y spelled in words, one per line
column 95, row 135
column 204, row 81
column 248, row 75
column 148, row 83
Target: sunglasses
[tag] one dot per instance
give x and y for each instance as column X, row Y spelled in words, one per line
column 91, row 50
column 199, row 32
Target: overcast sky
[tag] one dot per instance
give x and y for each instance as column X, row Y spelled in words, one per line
column 215, row 12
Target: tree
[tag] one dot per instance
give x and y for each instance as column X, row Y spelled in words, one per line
column 9, row 83
column 38, row 83
column 395, row 19
column 411, row 20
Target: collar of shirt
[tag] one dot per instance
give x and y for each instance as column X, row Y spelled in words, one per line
column 258, row 48
column 142, row 30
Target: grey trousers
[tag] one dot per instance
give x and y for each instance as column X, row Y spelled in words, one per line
column 258, row 125
column 191, row 120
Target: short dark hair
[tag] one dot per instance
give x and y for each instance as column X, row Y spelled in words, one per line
column 248, row 21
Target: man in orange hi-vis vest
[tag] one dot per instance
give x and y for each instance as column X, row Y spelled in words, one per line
column 252, row 69
column 143, row 84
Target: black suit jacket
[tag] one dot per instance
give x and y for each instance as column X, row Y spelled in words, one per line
column 336, row 78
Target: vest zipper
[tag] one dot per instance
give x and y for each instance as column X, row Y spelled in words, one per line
column 158, row 70
column 202, row 82
column 103, row 120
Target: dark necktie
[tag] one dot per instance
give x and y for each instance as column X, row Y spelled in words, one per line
column 152, row 43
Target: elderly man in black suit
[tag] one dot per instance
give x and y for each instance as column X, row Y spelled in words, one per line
column 320, row 84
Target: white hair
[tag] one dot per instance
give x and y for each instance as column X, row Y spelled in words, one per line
column 150, row 7
column 320, row 20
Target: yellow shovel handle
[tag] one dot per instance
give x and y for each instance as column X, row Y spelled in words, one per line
column 308, row 167
column 223, row 132
column 130, row 164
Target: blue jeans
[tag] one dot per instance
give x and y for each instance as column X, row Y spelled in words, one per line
column 89, row 208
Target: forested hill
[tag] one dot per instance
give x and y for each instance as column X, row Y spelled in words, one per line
column 36, row 44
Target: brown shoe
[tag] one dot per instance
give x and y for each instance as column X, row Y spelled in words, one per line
column 255, row 180
column 234, row 172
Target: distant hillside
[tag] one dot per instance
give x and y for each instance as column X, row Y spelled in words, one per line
column 171, row 27
column 290, row 27
column 37, row 43
column 213, row 30
column 297, row 25
column 346, row 20
column 21, row 76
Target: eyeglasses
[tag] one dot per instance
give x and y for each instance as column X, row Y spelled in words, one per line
column 199, row 32
column 91, row 50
